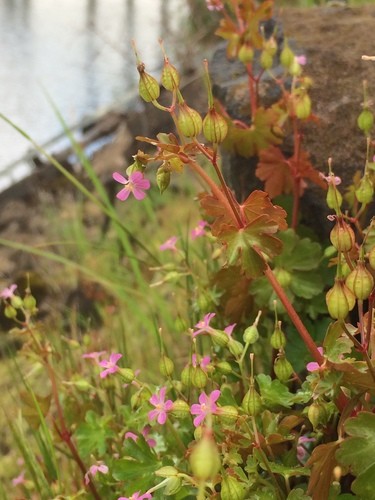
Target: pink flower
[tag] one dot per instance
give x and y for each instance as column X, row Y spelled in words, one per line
column 214, row 5
column 8, row 293
column 136, row 184
column 204, row 325
column 330, row 179
column 94, row 469
column 229, row 329
column 203, row 363
column 170, row 244
column 137, row 496
column 161, row 406
column 313, row 366
column 131, row 435
column 110, row 365
column 20, row 479
column 145, row 432
column 93, row 355
column 302, row 60
column 206, row 407
column 301, row 449
column 198, row 230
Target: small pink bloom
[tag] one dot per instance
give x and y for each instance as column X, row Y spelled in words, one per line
column 207, row 405
column 204, row 325
column 161, row 406
column 137, row 496
column 170, row 244
column 131, row 435
column 93, row 355
column 330, row 179
column 214, row 5
column 229, row 329
column 20, row 479
column 110, row 365
column 136, row 184
column 198, row 230
column 94, row 469
column 301, row 450
column 8, row 293
column 313, row 366
column 203, row 363
column 302, row 60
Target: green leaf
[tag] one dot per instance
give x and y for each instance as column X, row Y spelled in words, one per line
column 273, row 392
column 286, row 471
column 306, row 284
column 363, row 486
column 298, row 494
column 92, row 435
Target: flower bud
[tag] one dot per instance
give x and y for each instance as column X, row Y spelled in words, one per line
column 16, row 302
column 173, row 486
column 266, row 59
column 198, row 377
column 180, row 324
column 231, row 489
column 205, row 458
column 219, row 338
column 251, row 334
column 10, row 312
column 371, row 257
column 252, row 402
column 235, row 347
column 180, row 409
column 365, row 121
column 166, row 366
column 186, row 375
column 127, row 374
column 29, row 302
column 228, row 414
column 334, row 198
column 283, row 369
column 342, row 236
column 140, row 397
column 303, row 107
column 317, row 414
column 170, row 77
column 148, row 87
column 283, row 277
column 365, row 190
column 286, row 56
column 295, row 68
column 163, row 179
column 340, row 300
column 189, row 121
column 278, row 339
column 224, row 367
column 246, row 53
column 270, row 46
column 167, row 471
column 360, row 281
column 215, row 127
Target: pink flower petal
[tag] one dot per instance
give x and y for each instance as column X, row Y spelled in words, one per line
column 119, row 178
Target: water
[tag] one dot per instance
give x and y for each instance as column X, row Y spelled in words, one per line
column 80, row 52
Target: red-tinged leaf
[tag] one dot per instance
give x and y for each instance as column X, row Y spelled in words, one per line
column 274, row 170
column 304, row 169
column 322, row 463
column 259, row 203
column 227, row 28
column 356, row 374
column 215, row 208
column 262, row 13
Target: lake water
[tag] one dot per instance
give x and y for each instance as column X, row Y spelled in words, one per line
column 80, row 52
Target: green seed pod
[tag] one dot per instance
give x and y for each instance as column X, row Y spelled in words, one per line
column 317, row 414
column 252, row 402
column 170, row 77
column 286, row 56
column 180, row 409
column 16, row 302
column 231, row 489
column 283, row 369
column 303, row 107
column 295, row 68
column 228, row 414
column 246, row 53
column 334, row 198
column 270, row 45
column 283, row 277
column 365, row 191
column 365, row 121
column 205, row 459
column 224, row 367
column 266, row 59
column 180, row 324
column 215, row 127
column 189, row 121
column 166, row 366
column 10, row 312
column 173, row 486
column 148, row 87
column 342, row 236
column 127, row 374
column 167, row 471
column 235, row 347
column 251, row 335
column 186, row 375
column 199, row 377
column 163, row 179
column 371, row 257
column 219, row 338
column 29, row 302
column 140, row 397
column 278, row 339
column 360, row 281
column 340, row 300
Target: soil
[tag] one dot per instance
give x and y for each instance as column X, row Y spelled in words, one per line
column 332, row 38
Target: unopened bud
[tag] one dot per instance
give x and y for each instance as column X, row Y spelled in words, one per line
column 317, row 414
column 180, row 409
column 224, row 367
column 205, row 458
column 186, row 375
column 235, row 347
column 252, row 402
column 166, row 366
column 334, row 198
column 163, row 179
column 342, row 236
column 365, row 190
column 266, row 59
column 173, row 486
column 189, row 121
column 371, row 257
column 9, row 311
column 303, row 107
column 246, row 53
column 29, row 302
column 251, row 334
column 360, row 281
column 365, row 121
column 286, row 56
column 228, row 414
column 198, row 377
column 219, row 338
column 127, row 374
column 215, row 127
column 148, row 87
column 283, row 369
column 167, row 471
column 340, row 300
column 16, row 302
column 278, row 339
column 295, row 68
column 170, row 77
